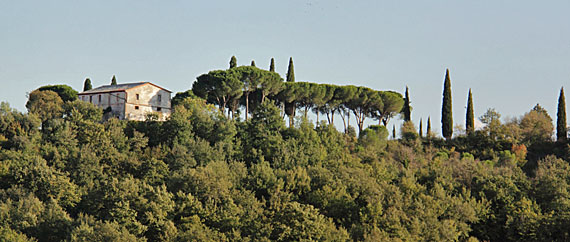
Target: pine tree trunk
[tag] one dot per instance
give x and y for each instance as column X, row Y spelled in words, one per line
column 317, row 123
column 246, row 105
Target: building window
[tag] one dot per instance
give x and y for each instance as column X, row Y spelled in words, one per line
column 159, row 109
column 159, row 98
column 91, row 99
column 99, row 98
column 137, row 107
column 137, row 96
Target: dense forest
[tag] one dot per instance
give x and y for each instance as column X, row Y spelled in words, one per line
column 226, row 166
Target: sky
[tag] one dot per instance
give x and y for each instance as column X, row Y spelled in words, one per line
column 512, row 54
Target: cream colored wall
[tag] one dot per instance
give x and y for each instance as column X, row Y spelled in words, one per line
column 115, row 100
column 147, row 103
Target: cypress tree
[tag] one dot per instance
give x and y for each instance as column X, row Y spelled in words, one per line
column 290, row 106
column 406, row 109
column 272, row 65
column 428, row 130
column 87, row 85
column 421, row 128
column 394, row 131
column 233, row 62
column 469, row 117
column 561, row 128
column 114, row 80
column 291, row 71
column 446, row 111
column 252, row 63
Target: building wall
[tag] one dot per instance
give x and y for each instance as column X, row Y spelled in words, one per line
column 151, row 99
column 115, row 100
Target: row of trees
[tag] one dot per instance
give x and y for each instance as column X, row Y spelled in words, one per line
column 87, row 83
column 490, row 115
column 249, row 86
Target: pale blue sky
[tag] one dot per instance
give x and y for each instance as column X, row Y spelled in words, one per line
column 513, row 54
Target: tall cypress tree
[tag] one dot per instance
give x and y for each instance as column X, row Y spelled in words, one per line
column 252, row 63
column 272, row 65
column 114, row 80
column 421, row 128
column 428, row 130
column 469, row 117
column 87, row 85
column 290, row 106
column 446, row 112
column 291, row 71
column 561, row 128
column 233, row 62
column 407, row 110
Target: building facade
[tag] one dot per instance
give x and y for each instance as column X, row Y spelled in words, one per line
column 130, row 101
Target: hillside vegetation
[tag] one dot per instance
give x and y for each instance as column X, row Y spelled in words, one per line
column 204, row 175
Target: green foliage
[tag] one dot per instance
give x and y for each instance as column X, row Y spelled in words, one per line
column 65, row 92
column 180, row 96
column 536, row 126
column 46, row 105
column 374, row 138
column 290, row 71
column 299, row 222
column 392, row 105
column 272, row 65
column 233, row 62
column 113, row 80
column 87, row 85
column 446, row 109
column 8, row 234
column 469, row 117
column 407, row 109
column 219, row 87
column 409, row 133
column 263, row 138
column 561, row 125
column 421, row 129
column 202, row 176
column 429, row 134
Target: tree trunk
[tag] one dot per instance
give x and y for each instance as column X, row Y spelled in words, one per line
column 347, row 121
column 246, row 105
column 317, row 123
column 343, row 121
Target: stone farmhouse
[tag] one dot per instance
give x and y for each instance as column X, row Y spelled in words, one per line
column 130, row 101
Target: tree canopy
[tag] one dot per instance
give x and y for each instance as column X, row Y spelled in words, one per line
column 65, row 92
